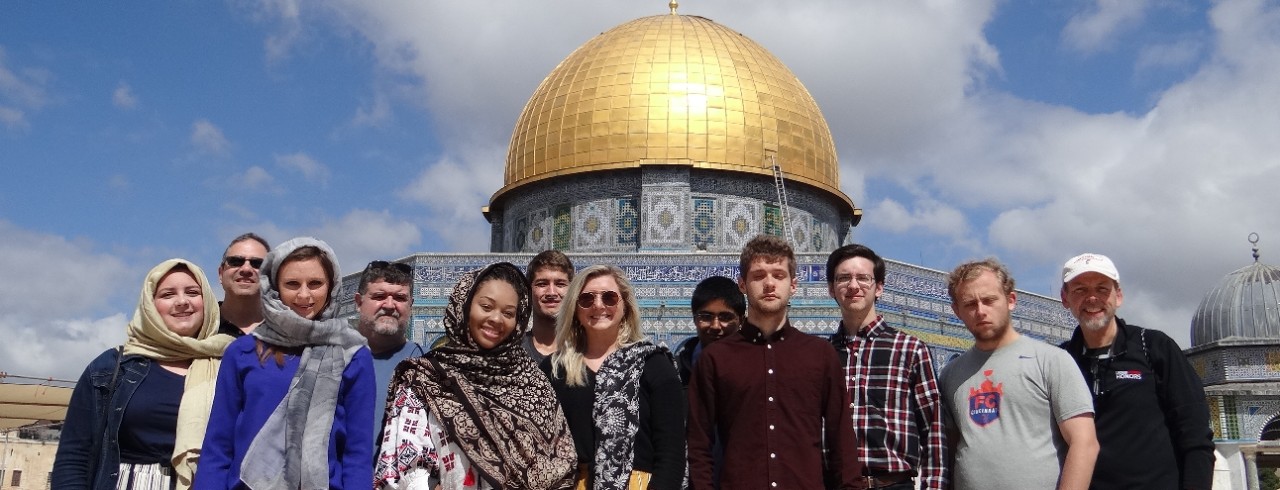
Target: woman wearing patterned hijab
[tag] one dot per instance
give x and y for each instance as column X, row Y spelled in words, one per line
column 620, row 392
column 476, row 413
column 142, row 429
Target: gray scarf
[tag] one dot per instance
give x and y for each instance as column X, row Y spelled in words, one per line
column 291, row 451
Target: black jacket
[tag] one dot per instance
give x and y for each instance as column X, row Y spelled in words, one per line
column 684, row 359
column 1150, row 412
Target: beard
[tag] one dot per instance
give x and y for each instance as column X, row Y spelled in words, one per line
column 386, row 325
column 1094, row 324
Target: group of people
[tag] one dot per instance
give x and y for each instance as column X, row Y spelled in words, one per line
column 546, row 381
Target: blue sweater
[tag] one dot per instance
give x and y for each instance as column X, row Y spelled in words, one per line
column 248, row 391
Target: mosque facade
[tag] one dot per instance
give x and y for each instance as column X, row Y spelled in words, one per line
column 662, row 146
column 1235, row 348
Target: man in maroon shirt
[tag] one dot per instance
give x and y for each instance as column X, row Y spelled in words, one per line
column 773, row 395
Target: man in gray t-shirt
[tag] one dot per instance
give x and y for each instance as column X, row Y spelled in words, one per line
column 1018, row 413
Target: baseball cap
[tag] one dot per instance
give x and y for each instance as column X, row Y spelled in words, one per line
column 1088, row 262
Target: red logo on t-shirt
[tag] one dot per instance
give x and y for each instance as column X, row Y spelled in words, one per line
column 984, row 402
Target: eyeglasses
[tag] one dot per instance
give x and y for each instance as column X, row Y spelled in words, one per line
column 382, row 264
column 863, row 280
column 706, row 317
column 588, row 299
column 239, row 260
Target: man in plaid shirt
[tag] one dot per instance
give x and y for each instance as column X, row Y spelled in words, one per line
column 897, row 409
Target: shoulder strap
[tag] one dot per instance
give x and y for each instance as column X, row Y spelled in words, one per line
column 1157, row 365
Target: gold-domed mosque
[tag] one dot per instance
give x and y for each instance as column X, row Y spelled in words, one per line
column 668, row 133
column 662, row 146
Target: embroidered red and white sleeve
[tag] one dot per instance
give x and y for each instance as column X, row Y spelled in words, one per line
column 408, row 458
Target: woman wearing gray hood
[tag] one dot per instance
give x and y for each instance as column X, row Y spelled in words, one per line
column 292, row 407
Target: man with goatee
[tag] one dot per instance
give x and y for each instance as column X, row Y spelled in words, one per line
column 1152, row 418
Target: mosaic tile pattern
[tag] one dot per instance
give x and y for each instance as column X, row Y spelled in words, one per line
column 593, row 226
column 562, row 233
column 740, row 221
column 664, row 217
column 541, row 225
column 529, row 223
column 704, row 223
column 772, row 219
column 1241, row 418
column 1225, row 364
column 799, row 229
column 628, row 222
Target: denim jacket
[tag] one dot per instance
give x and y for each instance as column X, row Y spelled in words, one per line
column 93, row 413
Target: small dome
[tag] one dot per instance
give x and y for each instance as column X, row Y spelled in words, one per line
column 672, row 90
column 1245, row 304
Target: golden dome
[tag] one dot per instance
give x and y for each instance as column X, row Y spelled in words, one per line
column 672, row 90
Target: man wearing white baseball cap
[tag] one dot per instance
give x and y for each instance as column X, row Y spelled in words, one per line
column 1150, row 411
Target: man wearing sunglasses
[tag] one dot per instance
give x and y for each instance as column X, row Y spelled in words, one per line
column 384, row 301
column 241, row 306
column 772, row 396
column 897, row 406
column 718, row 310
column 1152, row 418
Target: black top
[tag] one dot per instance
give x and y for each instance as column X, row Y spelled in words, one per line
column 659, row 446
column 684, row 359
column 527, row 344
column 1150, row 412
column 227, row 327
column 151, row 418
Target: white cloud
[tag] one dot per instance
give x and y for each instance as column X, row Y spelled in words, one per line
column 288, row 32
column 56, row 300
column 255, row 177
column 454, row 190
column 1178, row 54
column 929, row 217
column 21, row 90
column 208, row 138
column 13, row 118
column 1093, row 29
column 123, row 96
column 309, row 168
column 375, row 113
column 363, row 235
column 1170, row 195
column 58, row 348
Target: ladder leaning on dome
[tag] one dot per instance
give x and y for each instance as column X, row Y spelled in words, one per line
column 781, row 188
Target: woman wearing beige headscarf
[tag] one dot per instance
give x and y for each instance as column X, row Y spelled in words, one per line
column 137, row 416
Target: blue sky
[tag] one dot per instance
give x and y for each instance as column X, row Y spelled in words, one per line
column 1030, row 131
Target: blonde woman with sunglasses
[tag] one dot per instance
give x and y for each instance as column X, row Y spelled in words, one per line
column 620, row 392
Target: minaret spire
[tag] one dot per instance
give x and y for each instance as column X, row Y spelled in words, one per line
column 1253, row 238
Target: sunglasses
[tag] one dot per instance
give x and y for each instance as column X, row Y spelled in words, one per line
column 588, row 299
column 382, row 264
column 706, row 317
column 238, row 260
